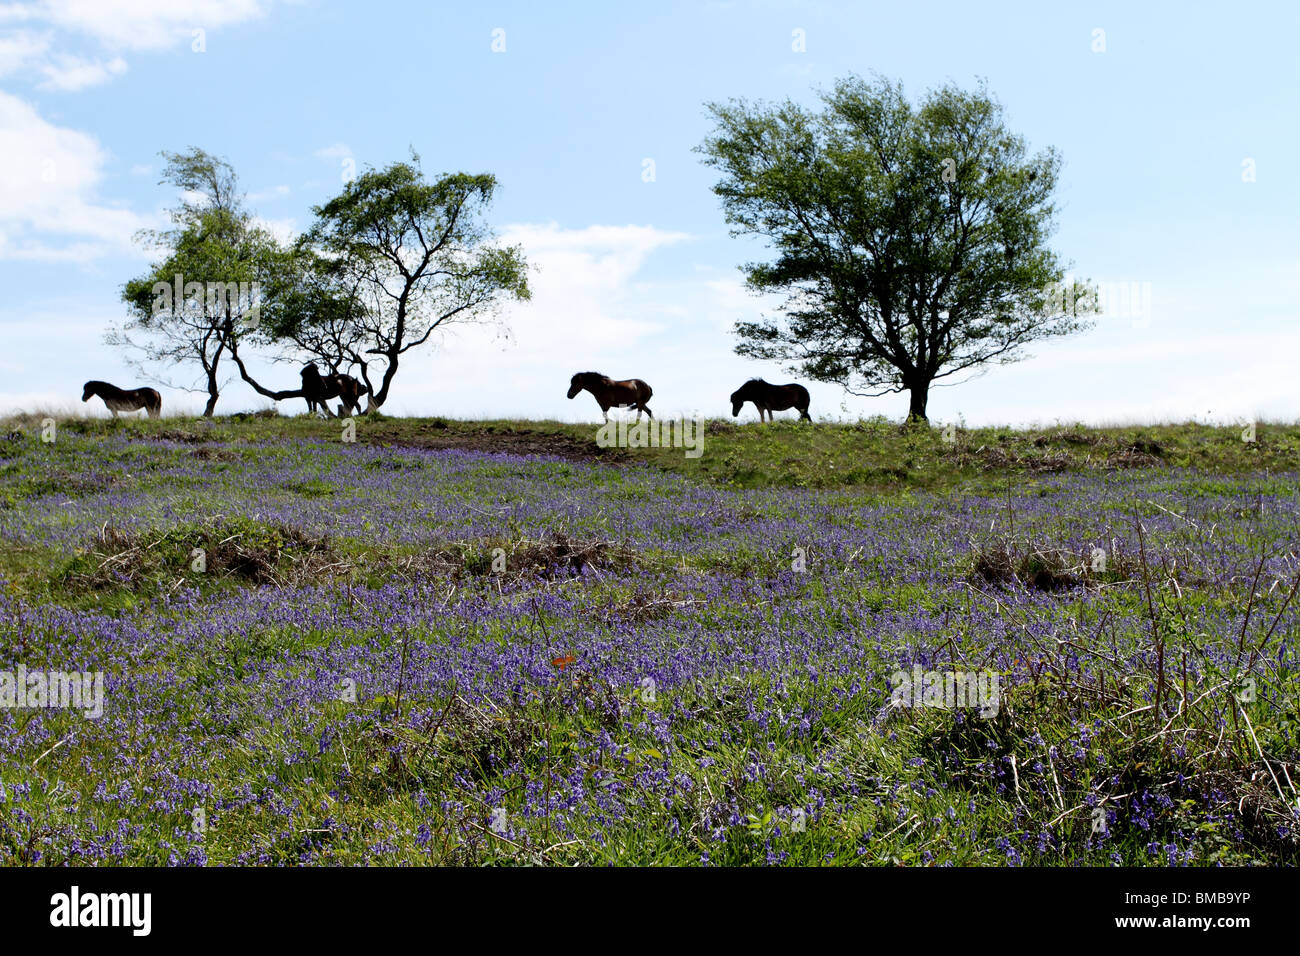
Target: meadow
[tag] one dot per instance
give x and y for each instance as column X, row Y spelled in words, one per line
column 495, row 643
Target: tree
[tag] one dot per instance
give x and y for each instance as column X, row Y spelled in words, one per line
column 314, row 309
column 193, row 306
column 910, row 241
column 400, row 257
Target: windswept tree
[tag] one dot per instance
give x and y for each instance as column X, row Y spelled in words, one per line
column 910, row 241
column 400, row 258
column 191, row 308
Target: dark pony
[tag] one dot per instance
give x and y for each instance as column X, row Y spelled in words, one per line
column 631, row 393
column 124, row 399
column 319, row 389
column 770, row 398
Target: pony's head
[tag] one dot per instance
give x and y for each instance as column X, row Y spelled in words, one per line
column 310, row 372
column 582, row 380
column 742, row 394
column 88, row 392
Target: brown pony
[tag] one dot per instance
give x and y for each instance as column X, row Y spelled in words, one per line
column 319, row 389
column 630, row 393
column 769, row 398
column 124, row 399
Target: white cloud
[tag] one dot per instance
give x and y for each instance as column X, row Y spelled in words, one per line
column 38, row 46
column 135, row 24
column 68, row 74
column 20, row 50
column 286, row 230
column 49, row 176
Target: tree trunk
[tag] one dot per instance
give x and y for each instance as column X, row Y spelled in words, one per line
column 214, row 391
column 378, row 398
column 918, row 396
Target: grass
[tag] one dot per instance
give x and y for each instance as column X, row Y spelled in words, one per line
column 1123, row 734
column 871, row 453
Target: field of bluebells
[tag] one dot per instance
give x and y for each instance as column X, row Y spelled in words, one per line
column 397, row 655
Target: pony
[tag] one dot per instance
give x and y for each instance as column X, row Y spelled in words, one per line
column 769, row 398
column 124, row 399
column 319, row 389
column 631, row 393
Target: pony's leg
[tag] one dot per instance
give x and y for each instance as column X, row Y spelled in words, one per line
column 638, row 413
column 649, row 413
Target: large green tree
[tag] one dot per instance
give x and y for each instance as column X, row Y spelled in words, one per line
column 910, row 241
column 191, row 309
column 400, row 257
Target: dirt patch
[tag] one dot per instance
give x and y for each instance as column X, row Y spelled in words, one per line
column 990, row 458
column 556, row 556
column 556, row 444
column 1042, row 570
column 1135, row 456
column 270, row 554
column 182, row 437
column 1007, row 563
column 207, row 453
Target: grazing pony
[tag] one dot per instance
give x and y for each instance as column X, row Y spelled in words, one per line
column 319, row 389
column 770, row 398
column 631, row 393
column 124, row 399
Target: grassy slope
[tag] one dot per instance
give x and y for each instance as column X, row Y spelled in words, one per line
column 877, row 457
column 873, row 453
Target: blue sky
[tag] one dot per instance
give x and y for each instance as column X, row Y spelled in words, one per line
column 640, row 278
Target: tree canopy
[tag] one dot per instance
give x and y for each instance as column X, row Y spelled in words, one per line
column 404, row 257
column 193, row 305
column 910, row 241
column 389, row 261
